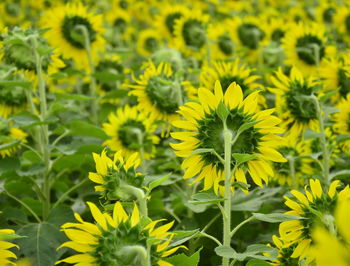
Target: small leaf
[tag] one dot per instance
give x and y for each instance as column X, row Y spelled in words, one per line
column 242, row 158
column 222, row 111
column 183, row 236
column 183, row 260
column 246, row 126
column 226, row 252
column 81, row 128
column 339, row 173
column 199, row 151
column 275, row 217
column 71, row 96
column 330, row 110
column 256, row 262
column 328, row 95
column 205, row 198
column 158, row 182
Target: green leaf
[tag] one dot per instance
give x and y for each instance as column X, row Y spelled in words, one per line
column 9, row 164
column 246, row 126
column 252, row 251
column 61, row 214
column 222, row 111
column 199, row 151
column 34, row 169
column 242, row 158
column 40, row 242
column 31, row 156
column 158, row 182
column 328, row 95
column 183, row 236
column 25, row 119
column 108, row 76
column 275, row 217
column 339, row 173
column 9, row 236
column 256, row 262
column 115, row 94
column 330, row 110
column 310, row 134
column 12, row 83
column 10, row 145
column 205, row 198
column 342, row 138
column 69, row 162
column 81, row 128
column 241, row 185
column 71, row 96
column 183, row 260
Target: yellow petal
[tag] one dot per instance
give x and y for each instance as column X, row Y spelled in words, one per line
column 135, row 216
column 218, row 91
column 119, row 214
column 233, row 95
column 316, row 188
column 98, row 216
column 272, row 154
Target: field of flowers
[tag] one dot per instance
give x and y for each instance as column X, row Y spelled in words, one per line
column 168, row 132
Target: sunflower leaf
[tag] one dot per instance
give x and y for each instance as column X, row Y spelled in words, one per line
column 246, row 126
column 183, row 260
column 242, row 157
column 275, row 217
column 158, row 181
column 205, row 198
column 222, row 111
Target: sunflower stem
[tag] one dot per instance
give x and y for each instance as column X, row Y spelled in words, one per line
column 65, row 194
column 291, row 161
column 227, row 202
column 251, row 218
column 140, row 196
column 325, row 153
column 93, row 86
column 140, row 138
column 139, row 251
column 44, row 132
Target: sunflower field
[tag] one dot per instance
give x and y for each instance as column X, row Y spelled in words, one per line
column 168, row 132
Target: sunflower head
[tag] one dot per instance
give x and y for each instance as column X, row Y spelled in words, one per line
column 342, row 121
column 295, row 102
column 223, row 45
column 160, row 92
column 316, row 208
column 114, row 176
column 7, row 256
column 285, row 250
column 117, row 239
column 66, row 34
column 17, row 49
column 203, row 143
column 129, row 130
column 11, row 139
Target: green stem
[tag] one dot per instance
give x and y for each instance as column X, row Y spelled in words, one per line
column 24, row 205
column 44, row 136
column 325, row 153
column 93, row 86
column 227, row 202
column 139, row 251
column 140, row 196
column 291, row 161
column 210, row 237
column 240, row 225
column 65, row 194
column 65, row 133
column 140, row 138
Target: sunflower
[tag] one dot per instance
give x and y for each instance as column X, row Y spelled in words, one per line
column 66, row 36
column 112, row 66
column 285, row 250
column 306, row 47
column 117, row 239
column 331, row 249
column 11, row 138
column 12, row 97
column 204, row 130
column 12, row 12
column 148, row 42
column 191, row 33
column 295, row 107
column 316, row 208
column 15, row 51
column 222, row 44
column 228, row 72
column 111, row 176
column 160, row 92
column 294, row 152
column 121, row 27
column 341, row 20
column 342, row 121
column 5, row 254
column 166, row 19
column 326, row 12
column 127, row 127
column 336, row 75
column 250, row 33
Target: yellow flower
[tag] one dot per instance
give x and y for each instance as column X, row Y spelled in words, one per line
column 331, row 249
column 148, row 42
column 317, row 208
column 190, row 33
column 285, row 250
column 336, row 75
column 65, row 36
column 342, row 121
column 12, row 137
column 228, row 72
column 159, row 92
column 204, row 130
column 297, row 111
column 113, row 175
column 129, row 130
column 5, row 254
column 117, row 239
column 305, row 47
